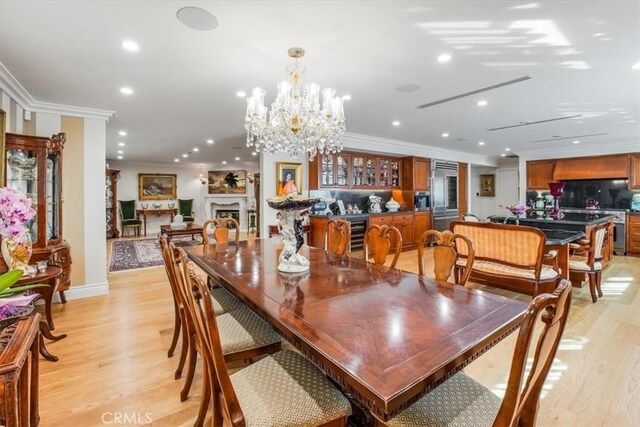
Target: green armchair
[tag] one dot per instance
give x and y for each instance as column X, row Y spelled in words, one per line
column 185, row 208
column 128, row 217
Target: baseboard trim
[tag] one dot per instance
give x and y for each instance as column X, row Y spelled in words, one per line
column 84, row 291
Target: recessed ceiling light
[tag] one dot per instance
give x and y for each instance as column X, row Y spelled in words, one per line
column 396, row 123
column 241, row 94
column 176, row 160
column 481, row 143
column 185, row 155
column 237, row 158
column 196, row 149
column 209, row 141
column 410, row 87
column 121, row 144
column 120, row 157
column 576, row 142
column 126, row 90
column 254, row 154
column 120, row 152
column 197, row 18
column 445, row 57
column 122, row 133
column 346, row 97
column 636, row 66
column 507, row 149
column 224, row 162
column 445, row 135
column 503, row 155
column 482, row 103
column 129, row 45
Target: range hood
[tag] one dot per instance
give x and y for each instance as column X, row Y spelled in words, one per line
column 596, row 167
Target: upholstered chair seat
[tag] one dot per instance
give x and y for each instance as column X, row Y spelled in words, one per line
column 242, row 330
column 223, row 301
column 459, row 401
column 546, row 273
column 285, row 389
column 580, row 263
column 587, row 256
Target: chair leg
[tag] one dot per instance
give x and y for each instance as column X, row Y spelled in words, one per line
column 592, row 286
column 176, row 331
column 205, row 400
column 599, row 283
column 191, row 370
column 184, row 349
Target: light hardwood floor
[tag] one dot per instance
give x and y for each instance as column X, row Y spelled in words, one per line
column 115, row 358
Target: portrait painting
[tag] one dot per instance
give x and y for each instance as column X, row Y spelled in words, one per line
column 487, row 185
column 227, row 182
column 157, row 186
column 289, row 178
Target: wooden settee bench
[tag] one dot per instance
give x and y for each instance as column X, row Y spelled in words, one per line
column 508, row 256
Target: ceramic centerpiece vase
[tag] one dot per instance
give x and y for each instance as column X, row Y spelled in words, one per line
column 291, row 213
column 17, row 250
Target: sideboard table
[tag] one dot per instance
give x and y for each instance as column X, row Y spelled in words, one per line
column 155, row 212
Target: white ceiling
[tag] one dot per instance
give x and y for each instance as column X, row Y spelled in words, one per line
column 578, row 54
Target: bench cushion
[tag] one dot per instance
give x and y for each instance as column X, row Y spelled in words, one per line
column 546, row 273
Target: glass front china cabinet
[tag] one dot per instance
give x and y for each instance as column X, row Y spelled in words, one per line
column 111, row 202
column 34, row 167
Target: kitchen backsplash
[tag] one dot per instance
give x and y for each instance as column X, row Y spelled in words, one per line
column 609, row 193
column 360, row 198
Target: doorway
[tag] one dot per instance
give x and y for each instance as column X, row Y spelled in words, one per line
column 507, row 189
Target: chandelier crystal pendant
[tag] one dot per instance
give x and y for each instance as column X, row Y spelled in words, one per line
column 297, row 121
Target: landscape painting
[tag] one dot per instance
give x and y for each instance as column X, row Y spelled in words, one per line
column 227, row 182
column 156, row 186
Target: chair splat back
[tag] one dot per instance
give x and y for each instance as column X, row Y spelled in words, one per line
column 519, row 407
column 337, row 236
column 445, row 254
column 378, row 239
column 220, row 230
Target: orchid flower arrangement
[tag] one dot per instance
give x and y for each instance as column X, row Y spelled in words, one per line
column 15, row 212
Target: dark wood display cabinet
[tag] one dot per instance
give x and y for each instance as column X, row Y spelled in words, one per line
column 34, row 166
column 111, row 202
column 346, row 170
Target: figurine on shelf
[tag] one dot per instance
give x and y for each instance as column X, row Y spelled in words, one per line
column 392, row 205
column 156, row 205
column 375, row 204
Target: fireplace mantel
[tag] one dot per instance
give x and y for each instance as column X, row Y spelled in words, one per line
column 219, row 201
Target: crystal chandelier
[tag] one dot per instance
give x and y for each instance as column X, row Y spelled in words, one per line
column 297, row 122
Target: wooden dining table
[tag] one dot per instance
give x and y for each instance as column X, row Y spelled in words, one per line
column 384, row 336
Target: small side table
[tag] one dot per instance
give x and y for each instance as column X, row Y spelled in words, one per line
column 49, row 277
column 157, row 212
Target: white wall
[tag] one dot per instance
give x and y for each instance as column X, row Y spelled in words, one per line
column 268, row 185
column 189, row 187
column 481, row 206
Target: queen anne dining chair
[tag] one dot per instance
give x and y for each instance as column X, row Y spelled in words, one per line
column 221, row 227
column 337, row 236
column 587, row 258
column 128, row 218
column 445, row 255
column 378, row 240
column 283, row 389
column 461, row 401
column 185, row 208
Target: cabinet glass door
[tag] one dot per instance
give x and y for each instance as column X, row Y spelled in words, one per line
column 53, row 210
column 109, row 201
column 358, row 171
column 383, row 180
column 370, row 171
column 395, row 173
column 342, row 170
column 326, row 174
column 22, row 175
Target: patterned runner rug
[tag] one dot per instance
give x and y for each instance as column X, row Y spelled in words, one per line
column 142, row 253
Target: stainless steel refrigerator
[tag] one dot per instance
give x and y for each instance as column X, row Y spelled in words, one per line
column 444, row 194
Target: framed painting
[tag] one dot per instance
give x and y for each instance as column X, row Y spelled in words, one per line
column 3, row 128
column 157, row 186
column 488, row 185
column 289, row 178
column 227, row 182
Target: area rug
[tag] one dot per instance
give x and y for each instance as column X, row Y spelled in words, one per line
column 142, row 253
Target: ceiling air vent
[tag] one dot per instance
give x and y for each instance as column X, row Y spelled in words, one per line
column 536, row 122
column 474, row 92
column 569, row 137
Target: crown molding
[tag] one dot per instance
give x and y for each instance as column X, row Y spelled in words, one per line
column 394, row 146
column 12, row 87
column 619, row 147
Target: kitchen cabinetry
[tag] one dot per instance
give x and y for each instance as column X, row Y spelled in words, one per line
column 539, row 174
column 34, row 167
column 463, row 179
column 634, row 172
column 415, row 174
column 421, row 223
column 633, row 234
column 354, row 170
column 404, row 223
column 111, row 202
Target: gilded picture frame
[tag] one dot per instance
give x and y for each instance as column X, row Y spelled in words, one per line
column 227, row 182
column 488, row 185
column 3, row 150
column 288, row 178
column 157, row 186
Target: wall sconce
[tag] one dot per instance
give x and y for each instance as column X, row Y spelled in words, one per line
column 250, row 177
column 203, row 180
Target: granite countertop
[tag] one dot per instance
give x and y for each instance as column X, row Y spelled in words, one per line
column 569, row 218
column 364, row 214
